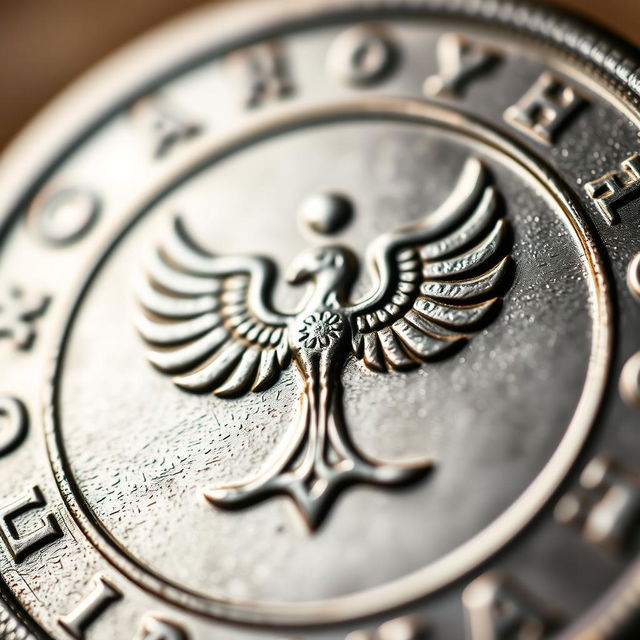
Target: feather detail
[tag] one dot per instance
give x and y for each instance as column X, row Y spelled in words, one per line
column 179, row 360
column 423, row 300
column 466, row 289
column 212, row 317
column 421, row 344
column 176, row 332
column 264, row 336
column 394, row 354
column 470, row 260
column 178, row 282
column 171, row 307
column 283, row 352
column 357, row 343
column 267, row 371
column 372, row 356
column 215, row 372
column 430, row 328
column 454, row 316
column 468, row 232
column 243, row 375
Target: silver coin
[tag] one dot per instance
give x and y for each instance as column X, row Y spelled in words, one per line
column 320, row 321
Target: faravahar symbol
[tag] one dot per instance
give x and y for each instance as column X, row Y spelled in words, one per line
column 210, row 323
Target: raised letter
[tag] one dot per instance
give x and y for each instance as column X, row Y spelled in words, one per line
column 403, row 628
column 62, row 215
column 498, row 608
column 162, row 125
column 459, row 60
column 614, row 189
column 607, row 507
column 156, row 628
column 269, row 77
column 22, row 546
column 362, row 56
column 102, row 596
column 630, row 381
column 17, row 315
column 544, row 109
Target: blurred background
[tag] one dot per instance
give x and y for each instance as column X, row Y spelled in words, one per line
column 45, row 44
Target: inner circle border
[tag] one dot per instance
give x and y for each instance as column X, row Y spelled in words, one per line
column 479, row 548
column 100, row 93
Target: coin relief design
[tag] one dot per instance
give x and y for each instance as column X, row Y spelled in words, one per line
column 318, row 322
column 230, row 340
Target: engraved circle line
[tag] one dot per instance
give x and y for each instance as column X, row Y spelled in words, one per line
column 205, row 152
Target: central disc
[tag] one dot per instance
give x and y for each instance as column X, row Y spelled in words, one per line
column 145, row 456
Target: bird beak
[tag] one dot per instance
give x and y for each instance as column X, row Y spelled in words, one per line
column 297, row 275
column 299, row 270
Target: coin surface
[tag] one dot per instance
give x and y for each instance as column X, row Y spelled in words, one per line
column 320, row 320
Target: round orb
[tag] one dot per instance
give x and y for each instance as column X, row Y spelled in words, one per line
column 326, row 213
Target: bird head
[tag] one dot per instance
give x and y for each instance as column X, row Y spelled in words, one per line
column 313, row 262
column 331, row 269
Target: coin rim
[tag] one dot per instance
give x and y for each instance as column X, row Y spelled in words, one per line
column 492, row 538
column 148, row 61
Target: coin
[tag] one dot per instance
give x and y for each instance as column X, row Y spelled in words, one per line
column 321, row 321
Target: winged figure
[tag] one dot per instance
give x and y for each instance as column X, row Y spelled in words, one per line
column 211, row 324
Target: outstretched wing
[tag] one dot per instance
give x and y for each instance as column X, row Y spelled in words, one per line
column 208, row 320
column 435, row 279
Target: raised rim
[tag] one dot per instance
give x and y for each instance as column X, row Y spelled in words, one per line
column 481, row 546
column 137, row 67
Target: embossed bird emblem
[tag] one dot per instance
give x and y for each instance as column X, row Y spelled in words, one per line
column 211, row 324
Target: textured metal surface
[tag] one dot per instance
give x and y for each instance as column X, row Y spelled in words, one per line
column 11, row 626
column 322, row 141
